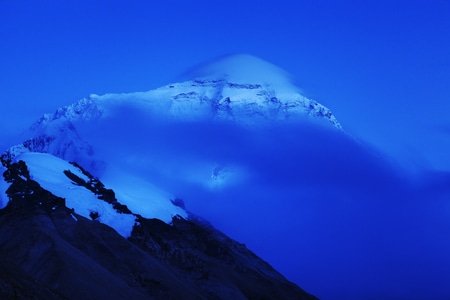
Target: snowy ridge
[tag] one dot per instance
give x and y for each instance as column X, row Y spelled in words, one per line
column 198, row 100
column 249, row 104
column 240, row 88
column 56, row 136
column 48, row 171
column 84, row 109
column 69, row 182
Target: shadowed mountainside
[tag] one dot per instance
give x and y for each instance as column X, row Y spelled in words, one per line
column 50, row 252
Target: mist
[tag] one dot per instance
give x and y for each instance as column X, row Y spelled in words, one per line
column 327, row 210
column 9, row 137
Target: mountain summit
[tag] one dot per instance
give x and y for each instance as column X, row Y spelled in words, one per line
column 240, row 89
column 113, row 133
column 108, row 174
column 243, row 68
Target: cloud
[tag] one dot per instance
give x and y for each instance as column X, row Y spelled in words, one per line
column 332, row 214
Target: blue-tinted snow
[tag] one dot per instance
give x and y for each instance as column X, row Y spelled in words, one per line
column 48, row 171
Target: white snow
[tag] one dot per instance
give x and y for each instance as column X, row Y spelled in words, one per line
column 244, row 69
column 259, row 92
column 73, row 217
column 140, row 196
column 48, row 171
column 17, row 150
column 249, row 103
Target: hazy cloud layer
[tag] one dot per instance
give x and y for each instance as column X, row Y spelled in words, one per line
column 329, row 212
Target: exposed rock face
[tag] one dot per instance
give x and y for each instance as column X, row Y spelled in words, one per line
column 50, row 252
column 17, row 284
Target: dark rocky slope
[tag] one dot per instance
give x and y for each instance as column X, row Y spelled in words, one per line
column 49, row 252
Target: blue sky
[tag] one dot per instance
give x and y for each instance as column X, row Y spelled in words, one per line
column 381, row 66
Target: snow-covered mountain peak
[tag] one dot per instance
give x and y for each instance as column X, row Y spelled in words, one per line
column 116, row 137
column 240, row 89
column 243, row 69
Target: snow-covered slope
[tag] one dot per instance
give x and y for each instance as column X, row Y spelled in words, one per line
column 49, row 172
column 83, row 193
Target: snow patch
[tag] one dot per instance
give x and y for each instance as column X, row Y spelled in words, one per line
column 140, row 196
column 73, row 217
column 48, row 171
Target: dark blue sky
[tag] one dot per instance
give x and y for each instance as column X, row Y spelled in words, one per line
column 383, row 67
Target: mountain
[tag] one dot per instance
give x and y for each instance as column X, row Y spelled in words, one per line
column 150, row 195
column 91, row 202
column 56, row 247
column 239, row 88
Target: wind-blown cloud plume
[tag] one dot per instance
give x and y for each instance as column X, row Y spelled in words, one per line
column 332, row 213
